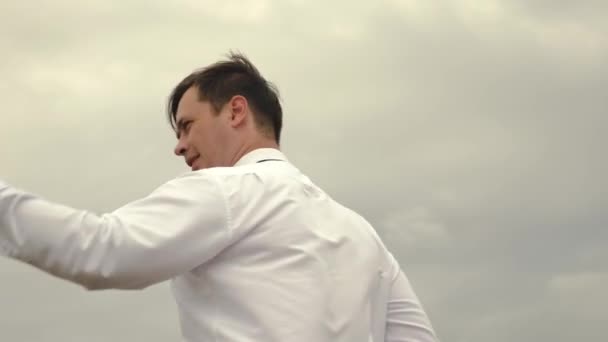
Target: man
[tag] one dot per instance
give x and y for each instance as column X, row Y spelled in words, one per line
column 254, row 249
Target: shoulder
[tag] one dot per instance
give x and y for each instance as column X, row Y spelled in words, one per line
column 224, row 180
column 262, row 171
column 258, row 178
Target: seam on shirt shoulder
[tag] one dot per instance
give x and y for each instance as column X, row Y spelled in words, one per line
column 219, row 184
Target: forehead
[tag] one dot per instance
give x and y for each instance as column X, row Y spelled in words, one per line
column 187, row 104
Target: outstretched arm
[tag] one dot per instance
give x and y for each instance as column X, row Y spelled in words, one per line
column 176, row 228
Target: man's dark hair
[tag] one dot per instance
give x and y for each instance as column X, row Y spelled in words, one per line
column 219, row 82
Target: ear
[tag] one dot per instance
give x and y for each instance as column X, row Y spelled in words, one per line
column 239, row 108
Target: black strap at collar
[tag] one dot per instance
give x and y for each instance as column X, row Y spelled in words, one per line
column 265, row 160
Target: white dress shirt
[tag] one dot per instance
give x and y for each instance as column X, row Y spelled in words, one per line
column 255, row 252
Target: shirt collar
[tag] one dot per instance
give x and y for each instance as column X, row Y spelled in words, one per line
column 260, row 154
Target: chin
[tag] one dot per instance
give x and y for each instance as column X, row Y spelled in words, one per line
column 198, row 167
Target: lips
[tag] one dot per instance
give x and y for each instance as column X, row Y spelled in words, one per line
column 191, row 160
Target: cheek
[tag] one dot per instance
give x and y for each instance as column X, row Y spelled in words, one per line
column 197, row 143
column 209, row 140
column 223, row 134
column 203, row 141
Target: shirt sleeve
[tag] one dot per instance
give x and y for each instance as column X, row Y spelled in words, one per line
column 406, row 320
column 177, row 227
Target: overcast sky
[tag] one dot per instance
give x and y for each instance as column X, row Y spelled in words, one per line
column 472, row 134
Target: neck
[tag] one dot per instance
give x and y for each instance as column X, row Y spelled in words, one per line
column 251, row 146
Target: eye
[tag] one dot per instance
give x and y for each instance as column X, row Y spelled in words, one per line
column 187, row 125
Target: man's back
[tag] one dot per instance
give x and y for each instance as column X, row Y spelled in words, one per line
column 302, row 268
column 256, row 251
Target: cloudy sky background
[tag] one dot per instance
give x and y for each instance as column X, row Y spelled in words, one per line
column 470, row 133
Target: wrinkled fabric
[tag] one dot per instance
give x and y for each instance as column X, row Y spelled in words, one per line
column 254, row 252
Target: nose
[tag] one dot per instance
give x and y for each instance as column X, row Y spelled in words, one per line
column 180, row 148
